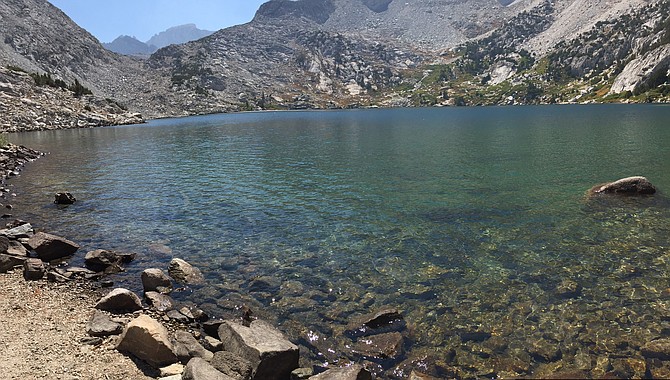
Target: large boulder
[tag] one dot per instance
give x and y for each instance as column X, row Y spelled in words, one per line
column 154, row 279
column 102, row 325
column 120, row 300
column 271, row 355
column 199, row 369
column 148, row 340
column 185, row 273
column 50, row 247
column 354, row 372
column 625, row 186
column 187, row 347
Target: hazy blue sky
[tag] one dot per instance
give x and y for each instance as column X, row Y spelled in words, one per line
column 108, row 19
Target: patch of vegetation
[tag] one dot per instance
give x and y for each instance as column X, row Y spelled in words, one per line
column 46, row 80
column 16, row 69
column 3, row 140
column 78, row 89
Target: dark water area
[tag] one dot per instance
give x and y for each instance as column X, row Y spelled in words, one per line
column 472, row 222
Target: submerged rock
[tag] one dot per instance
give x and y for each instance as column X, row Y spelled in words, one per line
column 659, row 348
column 625, row 186
column 382, row 321
column 354, row 372
column 388, row 345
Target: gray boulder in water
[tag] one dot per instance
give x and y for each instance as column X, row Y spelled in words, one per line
column 625, row 186
column 64, row 199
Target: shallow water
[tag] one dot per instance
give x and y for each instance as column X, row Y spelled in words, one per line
column 472, row 221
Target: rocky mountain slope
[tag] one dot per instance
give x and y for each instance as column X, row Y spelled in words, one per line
column 425, row 24
column 357, row 53
column 25, row 106
column 622, row 56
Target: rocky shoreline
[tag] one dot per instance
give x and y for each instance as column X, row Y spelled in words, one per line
column 165, row 339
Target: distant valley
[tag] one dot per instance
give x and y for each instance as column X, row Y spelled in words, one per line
column 365, row 53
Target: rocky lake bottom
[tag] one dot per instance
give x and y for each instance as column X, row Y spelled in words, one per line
column 469, row 229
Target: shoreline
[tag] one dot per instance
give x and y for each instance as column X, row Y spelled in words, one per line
column 43, row 323
column 71, row 323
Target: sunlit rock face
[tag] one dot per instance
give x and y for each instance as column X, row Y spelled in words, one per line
column 315, row 10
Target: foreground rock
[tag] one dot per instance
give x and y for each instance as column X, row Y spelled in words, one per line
column 232, row 365
column 160, row 302
column 148, row 340
column 101, row 325
column 187, row 347
column 153, row 279
column 120, row 300
column 9, row 262
column 271, row 355
column 19, row 232
column 51, row 247
column 625, row 186
column 199, row 369
column 185, row 273
column 33, row 269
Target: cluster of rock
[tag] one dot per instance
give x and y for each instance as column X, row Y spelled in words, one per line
column 25, row 106
column 243, row 349
column 13, row 157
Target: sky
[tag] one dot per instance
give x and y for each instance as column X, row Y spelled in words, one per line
column 108, row 19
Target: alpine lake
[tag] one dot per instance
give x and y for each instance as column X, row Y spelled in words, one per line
column 473, row 223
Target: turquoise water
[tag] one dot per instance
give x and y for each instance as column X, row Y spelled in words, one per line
column 471, row 221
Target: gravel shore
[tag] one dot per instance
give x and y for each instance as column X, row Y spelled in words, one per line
column 42, row 326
